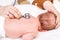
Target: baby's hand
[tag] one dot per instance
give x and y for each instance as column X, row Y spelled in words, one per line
column 9, row 12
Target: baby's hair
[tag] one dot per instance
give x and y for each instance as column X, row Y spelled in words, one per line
column 48, row 14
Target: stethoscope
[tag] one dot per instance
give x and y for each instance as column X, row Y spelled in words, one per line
column 26, row 15
column 14, row 3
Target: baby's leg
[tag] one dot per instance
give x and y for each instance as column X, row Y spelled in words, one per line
column 29, row 36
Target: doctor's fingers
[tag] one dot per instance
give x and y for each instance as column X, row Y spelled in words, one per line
column 14, row 13
column 16, row 10
column 7, row 15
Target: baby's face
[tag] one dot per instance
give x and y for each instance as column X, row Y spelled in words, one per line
column 48, row 21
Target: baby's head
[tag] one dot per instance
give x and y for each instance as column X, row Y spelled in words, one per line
column 23, row 2
column 48, row 20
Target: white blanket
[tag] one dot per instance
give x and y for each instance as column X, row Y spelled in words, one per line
column 49, row 35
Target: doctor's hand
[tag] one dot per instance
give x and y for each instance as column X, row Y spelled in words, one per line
column 50, row 7
column 9, row 12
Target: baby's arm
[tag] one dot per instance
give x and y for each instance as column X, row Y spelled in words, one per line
column 29, row 36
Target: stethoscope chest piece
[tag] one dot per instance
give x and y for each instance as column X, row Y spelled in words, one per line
column 26, row 15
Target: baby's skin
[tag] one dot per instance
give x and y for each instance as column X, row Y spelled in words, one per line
column 25, row 28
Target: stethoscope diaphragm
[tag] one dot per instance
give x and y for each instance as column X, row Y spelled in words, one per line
column 26, row 15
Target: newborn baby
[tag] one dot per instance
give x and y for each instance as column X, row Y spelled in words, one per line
column 23, row 27
column 48, row 21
